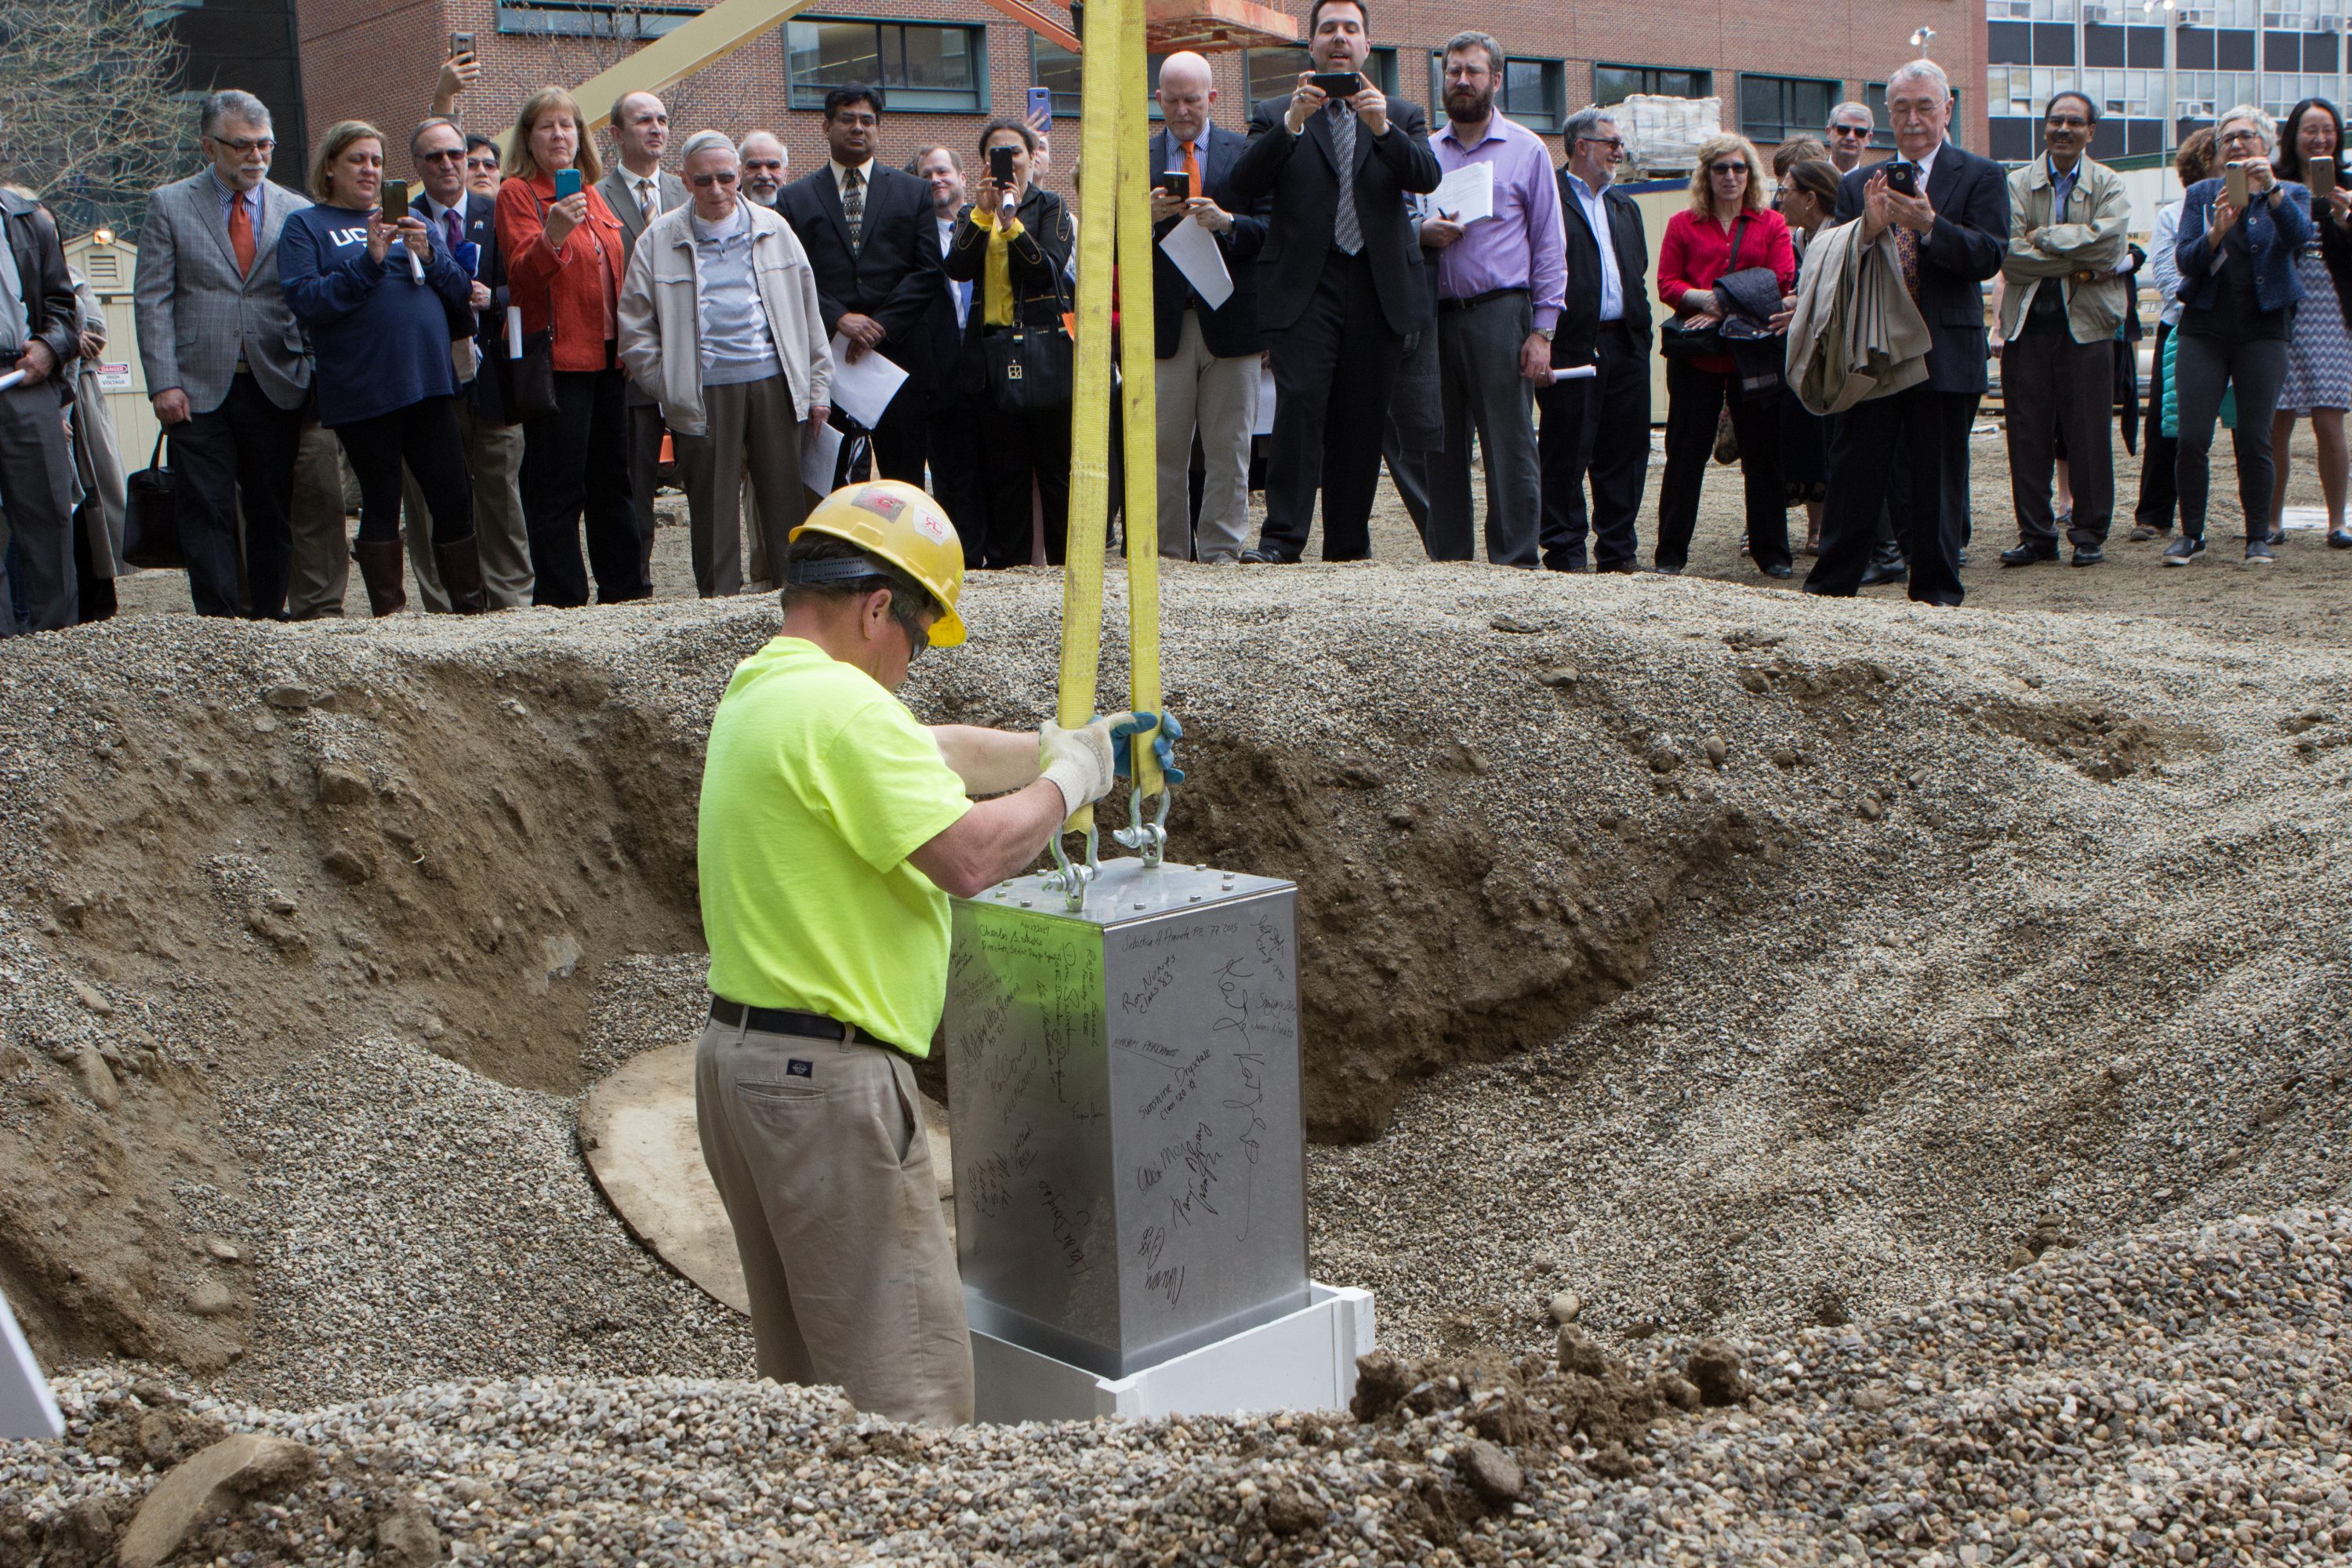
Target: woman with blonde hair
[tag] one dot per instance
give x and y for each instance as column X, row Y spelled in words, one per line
column 565, row 266
column 378, row 298
column 1726, row 230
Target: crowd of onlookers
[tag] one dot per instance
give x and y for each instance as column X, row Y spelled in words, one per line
column 498, row 344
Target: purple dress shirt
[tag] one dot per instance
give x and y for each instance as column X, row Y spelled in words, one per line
column 1523, row 245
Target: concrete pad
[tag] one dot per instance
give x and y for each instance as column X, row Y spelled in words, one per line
column 637, row 1131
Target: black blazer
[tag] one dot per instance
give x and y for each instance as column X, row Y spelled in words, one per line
column 1038, row 260
column 1230, row 330
column 943, row 338
column 1300, row 177
column 488, row 329
column 894, row 274
column 1579, row 318
column 1970, row 195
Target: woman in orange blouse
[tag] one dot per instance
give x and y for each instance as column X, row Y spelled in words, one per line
column 565, row 261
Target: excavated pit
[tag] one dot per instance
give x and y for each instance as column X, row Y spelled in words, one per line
column 1777, row 963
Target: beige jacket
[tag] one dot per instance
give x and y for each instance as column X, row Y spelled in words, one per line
column 1855, row 333
column 2078, row 250
column 661, row 339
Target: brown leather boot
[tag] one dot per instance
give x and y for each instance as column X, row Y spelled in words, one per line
column 461, row 574
column 380, row 568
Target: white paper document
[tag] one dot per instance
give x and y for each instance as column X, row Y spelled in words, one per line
column 1195, row 252
column 1574, row 372
column 820, row 451
column 514, row 332
column 1263, row 424
column 26, row 1408
column 1465, row 194
column 863, row 388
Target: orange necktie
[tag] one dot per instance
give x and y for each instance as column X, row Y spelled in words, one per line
column 1192, row 171
column 240, row 235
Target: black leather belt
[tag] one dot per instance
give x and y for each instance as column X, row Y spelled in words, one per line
column 783, row 1021
column 1476, row 300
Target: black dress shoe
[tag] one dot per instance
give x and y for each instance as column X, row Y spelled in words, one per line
column 1263, row 558
column 1779, row 569
column 2029, row 553
column 1664, row 570
column 1886, row 566
column 2275, row 537
column 2088, row 555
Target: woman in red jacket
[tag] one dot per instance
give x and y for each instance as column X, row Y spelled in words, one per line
column 565, row 262
column 1726, row 203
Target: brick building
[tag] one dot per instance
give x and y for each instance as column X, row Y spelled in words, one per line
column 1778, row 65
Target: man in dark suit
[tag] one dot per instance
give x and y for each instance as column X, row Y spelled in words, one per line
column 1340, row 283
column 478, row 337
column 1208, row 356
column 873, row 244
column 1950, row 237
column 638, row 191
column 1598, row 426
column 953, row 383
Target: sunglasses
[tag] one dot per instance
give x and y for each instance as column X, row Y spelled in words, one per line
column 1856, row 132
column 704, row 182
column 447, row 155
column 1616, row 143
column 1726, row 168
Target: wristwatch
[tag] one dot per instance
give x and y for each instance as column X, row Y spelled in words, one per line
column 1545, row 332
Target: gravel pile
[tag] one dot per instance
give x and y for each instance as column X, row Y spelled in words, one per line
column 2179, row 1397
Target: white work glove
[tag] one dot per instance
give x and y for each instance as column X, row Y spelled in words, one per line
column 1084, row 762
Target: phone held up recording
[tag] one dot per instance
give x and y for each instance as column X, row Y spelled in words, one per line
column 567, row 183
column 460, row 45
column 1177, row 184
column 1339, row 84
column 395, row 200
column 2233, row 179
column 1903, row 178
column 1000, row 166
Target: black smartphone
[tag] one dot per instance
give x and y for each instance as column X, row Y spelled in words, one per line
column 461, row 44
column 1903, row 177
column 1000, row 165
column 1177, row 184
column 1339, row 84
column 396, row 200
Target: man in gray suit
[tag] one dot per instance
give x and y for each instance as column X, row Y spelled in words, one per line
column 226, row 365
column 638, row 191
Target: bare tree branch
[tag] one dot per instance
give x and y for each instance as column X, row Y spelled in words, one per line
column 87, row 113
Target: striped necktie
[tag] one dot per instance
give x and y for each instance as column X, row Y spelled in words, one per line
column 1346, row 228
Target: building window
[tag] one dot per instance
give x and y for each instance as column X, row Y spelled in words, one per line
column 594, row 19
column 1052, row 66
column 920, row 65
column 1535, row 91
column 1274, row 73
column 1775, row 107
column 1875, row 95
column 1614, row 84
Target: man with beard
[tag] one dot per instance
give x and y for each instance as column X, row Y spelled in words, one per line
column 765, row 162
column 1500, row 280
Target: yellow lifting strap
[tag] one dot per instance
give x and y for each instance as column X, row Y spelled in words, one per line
column 1114, row 224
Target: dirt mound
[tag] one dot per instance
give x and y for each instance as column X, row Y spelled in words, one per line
column 260, row 879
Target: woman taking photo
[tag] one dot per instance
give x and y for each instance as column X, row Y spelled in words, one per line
column 1013, row 242
column 377, row 299
column 2318, row 352
column 1726, row 229
column 564, row 269
column 2152, row 516
column 1807, row 197
column 2237, row 288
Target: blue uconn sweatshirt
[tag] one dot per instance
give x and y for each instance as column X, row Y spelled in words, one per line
column 381, row 337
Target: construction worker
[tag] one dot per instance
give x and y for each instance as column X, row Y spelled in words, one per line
column 833, row 829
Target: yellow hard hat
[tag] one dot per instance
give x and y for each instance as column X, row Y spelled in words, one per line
column 898, row 523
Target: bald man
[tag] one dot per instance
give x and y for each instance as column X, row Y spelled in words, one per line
column 1207, row 355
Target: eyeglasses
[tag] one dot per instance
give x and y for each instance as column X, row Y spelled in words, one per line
column 483, row 163
column 704, row 182
column 447, row 155
column 1726, row 168
column 246, row 144
column 2067, row 122
column 1614, row 143
column 2239, row 138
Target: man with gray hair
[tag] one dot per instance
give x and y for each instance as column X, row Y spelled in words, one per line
column 720, row 324
column 1848, row 133
column 227, row 367
column 1945, row 211
column 765, row 159
column 1502, row 267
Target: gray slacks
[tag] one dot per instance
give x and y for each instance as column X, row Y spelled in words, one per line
column 1479, row 380
column 748, row 430
column 1196, row 387
column 2052, row 383
column 36, row 486
column 645, row 468
column 494, row 462
column 322, row 564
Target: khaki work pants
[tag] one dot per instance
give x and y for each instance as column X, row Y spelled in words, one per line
column 1194, row 387
column 494, row 461
column 321, row 566
column 818, row 1152
column 750, row 433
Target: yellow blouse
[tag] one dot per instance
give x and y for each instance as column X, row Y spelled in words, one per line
column 996, row 272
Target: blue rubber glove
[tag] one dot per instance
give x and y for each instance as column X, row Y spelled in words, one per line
column 1163, row 746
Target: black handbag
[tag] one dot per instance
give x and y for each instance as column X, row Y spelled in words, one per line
column 1678, row 340
column 527, row 384
column 1032, row 370
column 151, row 519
